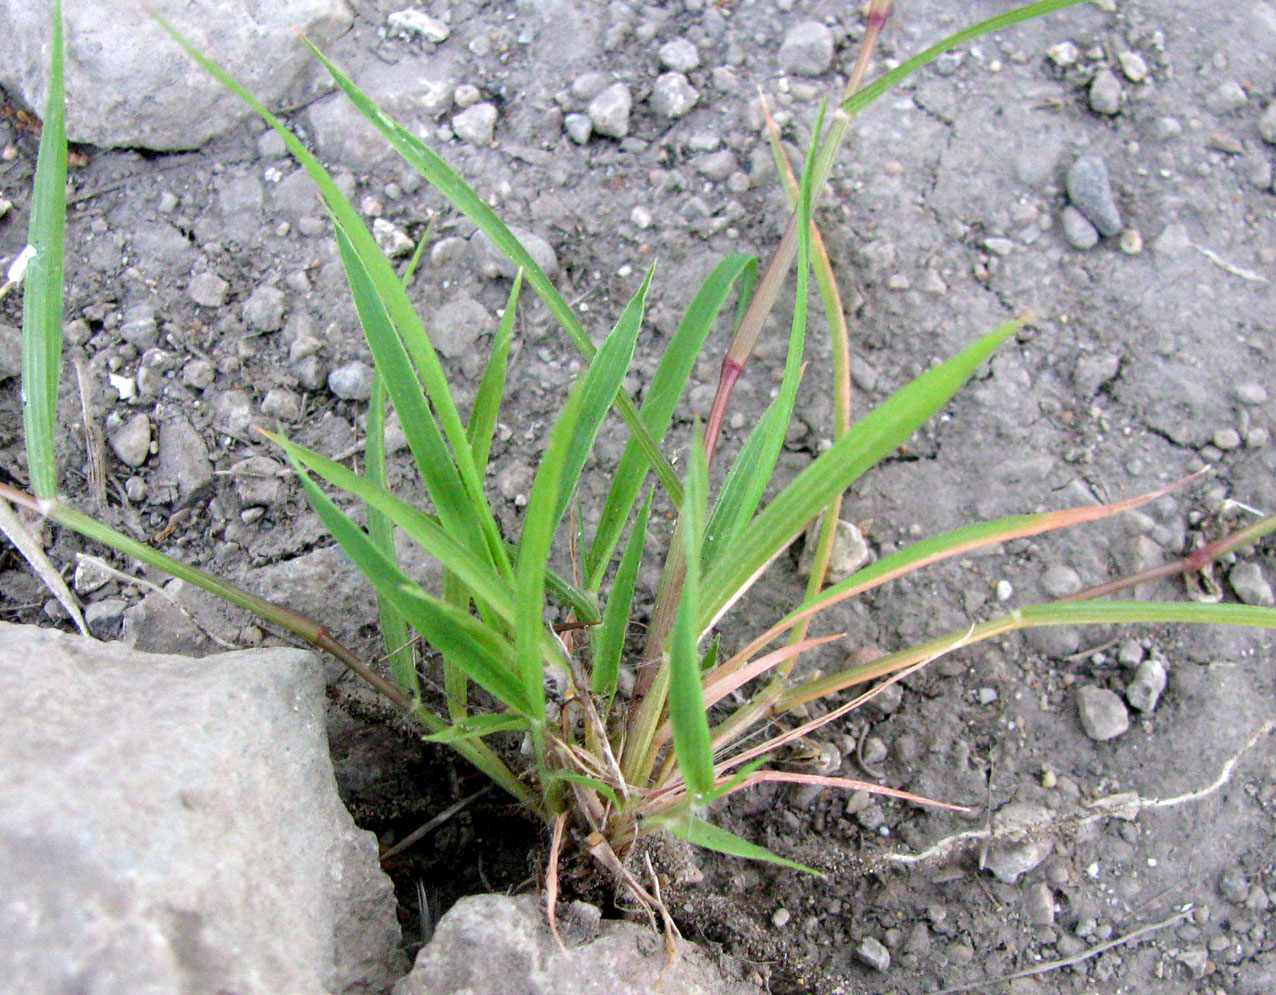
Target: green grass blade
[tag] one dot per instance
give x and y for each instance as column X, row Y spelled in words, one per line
column 609, row 638
column 487, row 659
column 867, row 443
column 42, row 299
column 476, row 727
column 487, row 402
column 691, row 739
column 745, row 484
column 660, row 402
column 394, row 628
column 477, row 575
column 865, row 96
column 585, row 781
column 569, row 443
column 580, row 603
column 463, row 197
column 599, row 388
column 463, row 513
column 701, row 833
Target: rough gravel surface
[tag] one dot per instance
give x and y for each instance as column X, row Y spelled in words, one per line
column 205, row 296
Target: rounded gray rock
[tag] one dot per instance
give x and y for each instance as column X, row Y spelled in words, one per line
column 1103, row 714
column 1250, row 585
column 264, row 310
column 457, row 324
column 1060, row 581
column 132, row 440
column 1267, row 124
column 578, row 127
column 807, row 49
column 1090, row 191
column 352, row 381
column 1077, row 229
column 1105, row 92
column 609, row 111
column 1227, row 98
column 493, row 263
column 680, row 55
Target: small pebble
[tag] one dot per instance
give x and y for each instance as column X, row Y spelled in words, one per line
column 351, row 381
column 1103, row 715
column 609, row 111
column 1090, row 191
column 1063, row 54
column 476, row 124
column 807, row 49
column 132, row 440
column 1060, row 581
column 1267, row 124
column 416, row 22
column 680, row 55
column 781, row 918
column 90, row 576
column 466, row 95
column 1020, row 845
column 873, row 953
column 1145, row 688
column 1227, row 439
column 1130, row 654
column 1105, row 92
column 208, row 290
column 1250, row 394
column 1077, row 229
column 391, row 239
column 1133, row 66
column 1131, row 242
column 1004, row 590
column 1228, row 98
column 264, row 310
column 1250, row 585
column 672, row 95
column 579, row 127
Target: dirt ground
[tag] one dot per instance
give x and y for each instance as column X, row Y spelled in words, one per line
column 1151, row 358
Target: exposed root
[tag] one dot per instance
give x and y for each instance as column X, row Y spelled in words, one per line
column 1126, row 805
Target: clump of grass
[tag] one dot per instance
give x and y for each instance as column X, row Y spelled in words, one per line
column 600, row 767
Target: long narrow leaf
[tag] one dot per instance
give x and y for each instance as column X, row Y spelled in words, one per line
column 42, row 299
column 487, row 402
column 869, row 441
column 394, row 628
column 661, row 400
column 701, row 833
column 691, row 738
column 609, row 642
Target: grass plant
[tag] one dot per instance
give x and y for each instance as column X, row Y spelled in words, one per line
column 601, row 767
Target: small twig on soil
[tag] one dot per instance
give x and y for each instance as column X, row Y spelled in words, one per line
column 1225, row 266
column 446, row 815
column 1094, row 951
column 11, row 525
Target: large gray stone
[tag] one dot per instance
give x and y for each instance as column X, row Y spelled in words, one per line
column 129, row 84
column 172, row 825
column 497, row 945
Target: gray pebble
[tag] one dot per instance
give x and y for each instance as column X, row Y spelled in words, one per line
column 257, row 481
column 588, row 85
column 514, row 481
column 351, row 381
column 1250, row 393
column 1060, row 581
column 1021, row 843
column 183, row 458
column 1103, row 714
column 1105, row 92
column 672, row 95
column 807, row 49
column 578, row 127
column 1228, row 98
column 476, row 124
column 132, row 440
column 887, row 700
column 311, row 372
column 391, row 239
column 264, row 310
column 1039, row 904
column 105, row 617
column 1173, row 240
column 90, row 576
column 139, row 327
column 1055, row 641
column 281, row 403
column 1167, row 127
column 1250, row 585
column 1090, row 191
column 493, row 263
column 457, row 325
column 1227, row 439
column 680, row 55
column 1078, row 230
column 1130, row 654
column 716, row 165
column 1145, row 688
column 1267, row 124
column 208, row 290
column 609, row 111
column 1233, row 886
column 466, row 95
column 1133, row 66
column 873, row 953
